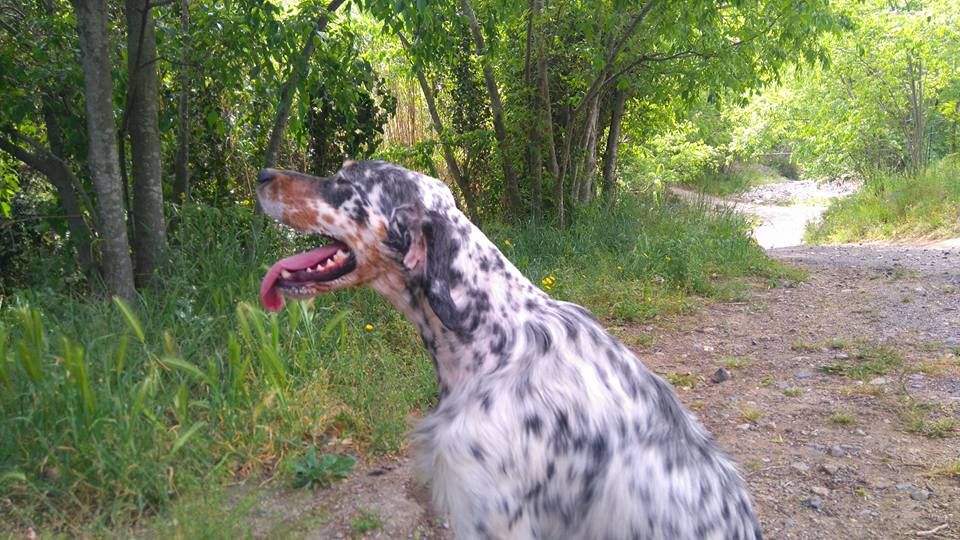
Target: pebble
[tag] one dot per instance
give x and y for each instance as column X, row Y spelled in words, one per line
column 800, row 467
column 820, row 490
column 841, row 356
column 803, row 374
column 836, row 451
column 878, row 381
column 830, row 468
column 905, row 486
column 720, row 376
column 815, row 502
column 920, row 495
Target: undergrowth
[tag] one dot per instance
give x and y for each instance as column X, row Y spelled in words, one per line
column 109, row 412
column 735, row 178
column 896, row 206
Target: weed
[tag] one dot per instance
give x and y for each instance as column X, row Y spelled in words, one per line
column 366, row 522
column 682, row 380
column 792, row 392
column 751, row 415
column 802, row 346
column 837, row 344
column 735, row 362
column 768, row 381
column 843, row 419
column 926, row 418
column 946, row 470
column 311, row 471
column 870, row 361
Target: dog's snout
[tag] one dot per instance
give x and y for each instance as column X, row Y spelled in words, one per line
column 265, row 176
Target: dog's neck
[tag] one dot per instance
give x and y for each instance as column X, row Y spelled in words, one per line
column 492, row 299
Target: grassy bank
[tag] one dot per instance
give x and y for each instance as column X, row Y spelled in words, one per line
column 110, row 412
column 735, row 178
column 896, row 206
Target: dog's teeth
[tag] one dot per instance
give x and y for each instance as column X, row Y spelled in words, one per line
column 285, row 274
column 340, row 255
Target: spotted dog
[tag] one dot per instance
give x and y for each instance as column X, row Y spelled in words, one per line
column 547, row 427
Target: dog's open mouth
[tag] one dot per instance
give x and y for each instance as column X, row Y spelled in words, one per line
column 302, row 275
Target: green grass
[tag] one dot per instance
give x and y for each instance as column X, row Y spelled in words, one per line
column 870, row 361
column 843, row 419
column 736, row 178
column 896, row 206
column 110, row 413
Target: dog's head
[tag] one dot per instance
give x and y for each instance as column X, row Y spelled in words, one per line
column 377, row 224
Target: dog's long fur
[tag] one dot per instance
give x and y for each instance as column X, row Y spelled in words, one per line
column 547, row 426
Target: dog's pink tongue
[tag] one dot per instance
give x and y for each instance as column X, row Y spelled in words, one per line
column 271, row 299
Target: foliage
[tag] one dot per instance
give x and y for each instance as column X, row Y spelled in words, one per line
column 311, row 471
column 886, row 100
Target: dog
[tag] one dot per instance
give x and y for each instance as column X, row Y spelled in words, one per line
column 547, row 427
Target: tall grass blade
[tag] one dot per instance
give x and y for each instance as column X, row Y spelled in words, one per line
column 4, row 374
column 73, row 360
column 120, row 356
column 182, row 439
column 338, row 320
column 186, row 367
column 31, row 348
column 10, row 477
column 131, row 318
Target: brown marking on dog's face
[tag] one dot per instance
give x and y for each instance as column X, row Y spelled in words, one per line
column 300, row 217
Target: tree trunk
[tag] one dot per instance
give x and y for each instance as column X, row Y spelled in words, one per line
column 103, row 157
column 535, row 152
column 916, row 134
column 181, row 182
column 512, row 190
column 50, row 164
column 590, row 152
column 613, row 146
column 149, row 233
column 465, row 187
column 290, row 86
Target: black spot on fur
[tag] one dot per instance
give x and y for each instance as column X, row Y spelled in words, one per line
column 336, row 191
column 538, row 334
column 533, row 425
column 477, row 452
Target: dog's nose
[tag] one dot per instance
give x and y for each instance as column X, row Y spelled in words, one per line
column 266, row 175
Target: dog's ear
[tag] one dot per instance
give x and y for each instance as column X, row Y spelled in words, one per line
column 422, row 238
column 405, row 237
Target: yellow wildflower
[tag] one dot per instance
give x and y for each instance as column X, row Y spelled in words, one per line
column 368, row 327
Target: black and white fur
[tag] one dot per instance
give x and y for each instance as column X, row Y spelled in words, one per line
column 547, row 426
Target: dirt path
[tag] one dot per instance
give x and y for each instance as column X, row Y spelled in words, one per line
column 842, row 406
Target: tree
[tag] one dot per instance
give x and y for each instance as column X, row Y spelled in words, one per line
column 103, row 160
column 140, row 120
column 297, row 68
